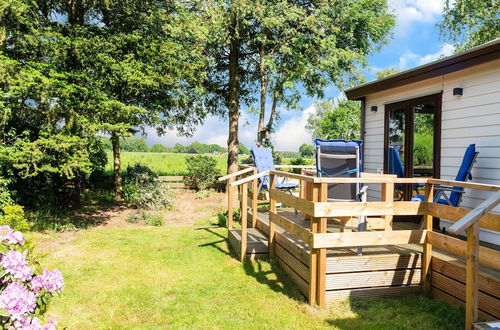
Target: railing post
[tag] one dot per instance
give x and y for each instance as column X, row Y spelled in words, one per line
column 272, row 208
column 321, row 274
column 244, row 213
column 229, row 190
column 388, row 197
column 427, row 248
column 472, row 279
column 313, row 256
column 255, row 195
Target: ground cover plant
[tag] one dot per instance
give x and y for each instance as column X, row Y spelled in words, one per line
column 182, row 275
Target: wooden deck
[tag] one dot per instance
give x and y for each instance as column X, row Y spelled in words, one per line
column 381, row 271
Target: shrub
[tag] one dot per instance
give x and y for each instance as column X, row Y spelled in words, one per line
column 152, row 219
column 202, row 171
column 139, row 174
column 423, row 150
column 152, row 196
column 5, row 193
column 134, row 218
column 26, row 286
column 13, row 216
column 297, row 161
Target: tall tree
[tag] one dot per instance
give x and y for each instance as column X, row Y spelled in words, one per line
column 306, row 46
column 386, row 72
column 470, row 23
column 330, row 121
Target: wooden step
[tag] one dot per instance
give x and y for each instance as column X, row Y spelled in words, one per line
column 257, row 244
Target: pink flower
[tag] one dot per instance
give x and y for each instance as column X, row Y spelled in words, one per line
column 17, row 300
column 7, row 234
column 50, row 280
column 34, row 323
column 15, row 264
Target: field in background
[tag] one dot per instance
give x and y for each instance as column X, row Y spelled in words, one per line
column 166, row 163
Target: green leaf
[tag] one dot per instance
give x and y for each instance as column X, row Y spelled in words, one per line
column 3, row 312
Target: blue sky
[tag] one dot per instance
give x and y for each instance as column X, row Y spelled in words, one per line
column 415, row 41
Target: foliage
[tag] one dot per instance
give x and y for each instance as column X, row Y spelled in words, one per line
column 306, row 150
column 423, row 150
column 470, row 23
column 330, row 121
column 26, row 286
column 153, row 219
column 179, row 149
column 151, row 196
column 134, row 144
column 134, row 218
column 242, row 150
column 386, row 72
column 13, row 216
column 201, row 194
column 202, row 172
column 140, row 174
column 298, row 161
column 5, row 193
column 158, row 148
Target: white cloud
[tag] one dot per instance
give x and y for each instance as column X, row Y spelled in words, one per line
column 409, row 12
column 409, row 59
column 293, row 132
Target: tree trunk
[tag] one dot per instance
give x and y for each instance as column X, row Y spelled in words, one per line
column 263, row 95
column 269, row 127
column 115, row 141
column 234, row 88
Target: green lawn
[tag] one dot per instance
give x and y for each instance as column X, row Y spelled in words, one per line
column 184, row 277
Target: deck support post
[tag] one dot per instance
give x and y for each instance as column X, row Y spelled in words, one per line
column 229, row 191
column 427, row 247
column 388, row 197
column 321, row 273
column 255, row 195
column 472, row 279
column 313, row 257
column 272, row 208
column 244, row 216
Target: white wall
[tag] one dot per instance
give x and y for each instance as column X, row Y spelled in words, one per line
column 471, row 118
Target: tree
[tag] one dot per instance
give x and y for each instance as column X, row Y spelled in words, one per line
column 179, row 149
column 330, row 121
column 470, row 23
column 134, row 144
column 386, row 72
column 306, row 151
column 158, row 148
column 305, row 46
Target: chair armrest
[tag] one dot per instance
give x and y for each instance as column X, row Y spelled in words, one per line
column 448, row 188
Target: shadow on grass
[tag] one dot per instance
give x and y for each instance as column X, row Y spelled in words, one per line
column 269, row 273
column 407, row 312
column 215, row 244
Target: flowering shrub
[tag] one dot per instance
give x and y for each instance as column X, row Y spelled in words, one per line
column 25, row 287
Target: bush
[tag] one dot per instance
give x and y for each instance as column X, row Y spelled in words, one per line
column 134, row 218
column 26, row 286
column 152, row 196
column 423, row 150
column 5, row 193
column 13, row 216
column 139, row 174
column 152, row 219
column 297, row 161
column 202, row 172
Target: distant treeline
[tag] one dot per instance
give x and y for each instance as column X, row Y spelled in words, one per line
column 137, row 144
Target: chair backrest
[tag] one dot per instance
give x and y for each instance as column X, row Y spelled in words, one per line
column 395, row 163
column 464, row 173
column 339, row 158
column 263, row 160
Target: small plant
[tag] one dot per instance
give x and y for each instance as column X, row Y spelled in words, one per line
column 26, row 286
column 134, row 218
column 13, row 216
column 202, row 172
column 203, row 194
column 152, row 219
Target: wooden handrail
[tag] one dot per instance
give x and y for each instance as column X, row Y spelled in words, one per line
column 294, row 166
column 470, row 185
column 235, row 174
column 477, row 213
column 249, row 178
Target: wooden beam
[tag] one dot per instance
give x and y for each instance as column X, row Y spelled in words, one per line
column 244, row 215
column 292, row 201
column 427, row 248
column 249, row 178
column 477, row 213
column 360, row 239
column 272, row 209
column 313, row 255
column 472, row 280
column 290, row 226
column 294, row 176
column 229, row 190
column 470, row 185
column 349, row 209
column 294, row 166
column 388, row 197
column 255, row 197
column 321, row 273
column 488, row 221
column 235, row 174
column 456, row 246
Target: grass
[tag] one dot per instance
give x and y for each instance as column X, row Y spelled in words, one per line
column 185, row 277
column 166, row 164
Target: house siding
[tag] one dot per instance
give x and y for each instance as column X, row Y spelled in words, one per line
column 473, row 117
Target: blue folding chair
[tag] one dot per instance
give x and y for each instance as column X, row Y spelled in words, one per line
column 396, row 167
column 263, row 159
column 464, row 174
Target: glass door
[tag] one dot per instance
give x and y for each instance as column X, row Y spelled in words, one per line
column 412, row 137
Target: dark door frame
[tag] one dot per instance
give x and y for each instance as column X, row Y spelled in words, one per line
column 407, row 105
